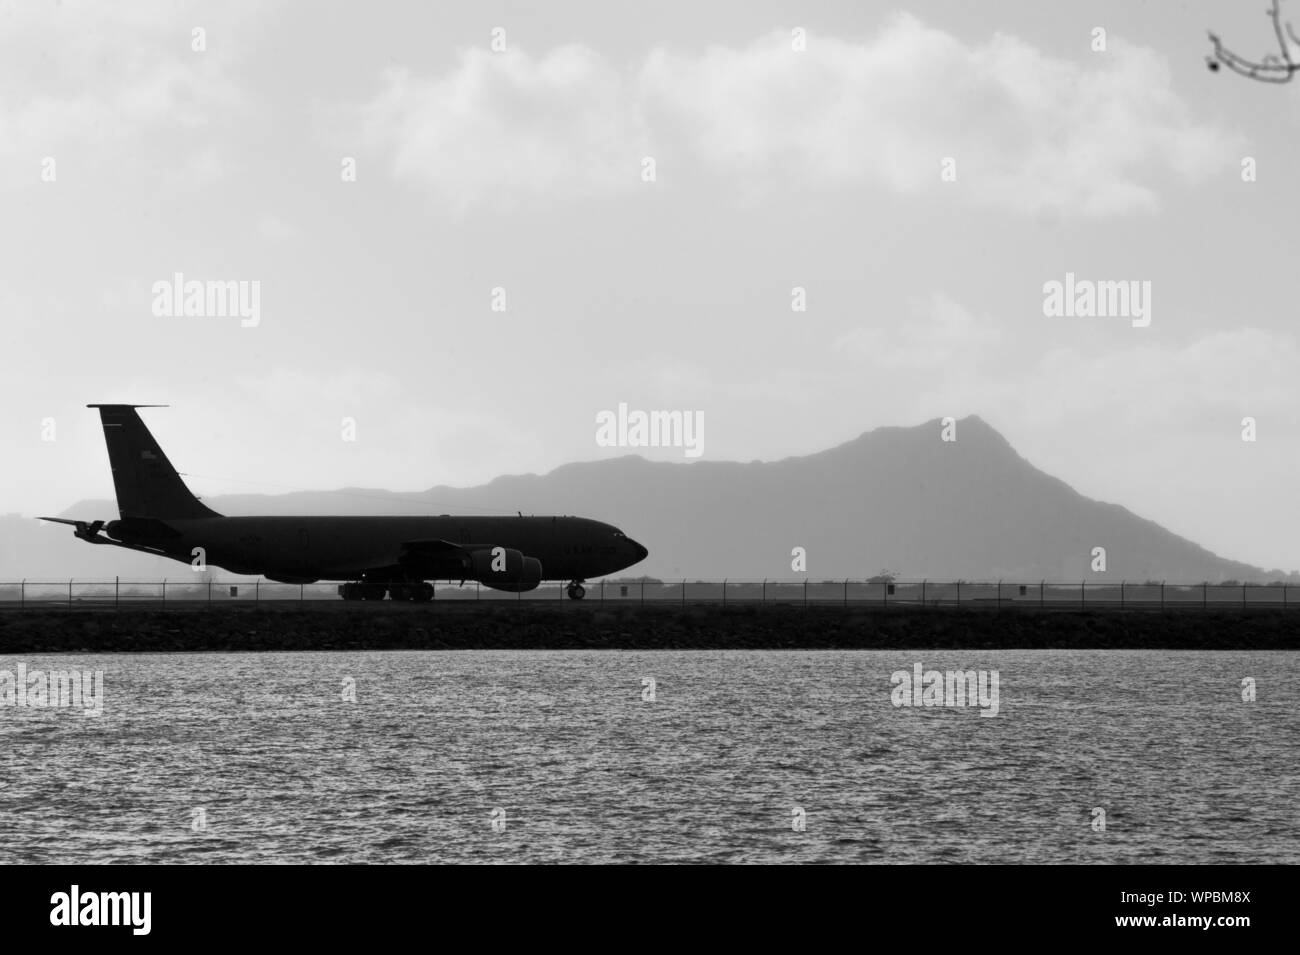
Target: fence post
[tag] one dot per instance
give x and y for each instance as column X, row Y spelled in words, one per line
column 959, row 593
column 117, row 587
column 1121, row 595
column 1205, row 593
column 724, row 591
column 1083, row 593
column 1162, row 595
column 643, row 590
column 69, row 591
column 846, row 591
column 477, row 590
column 1284, row 596
column 805, row 592
column 164, row 595
column 1040, row 594
column 602, row 591
column 209, row 591
column 302, row 588
column 884, row 594
column 923, row 592
column 683, row 591
column 764, row 591
column 1243, row 596
column 257, row 590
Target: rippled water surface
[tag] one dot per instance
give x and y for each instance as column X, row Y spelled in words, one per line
column 561, row 746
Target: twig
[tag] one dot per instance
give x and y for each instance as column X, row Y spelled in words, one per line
column 1268, row 69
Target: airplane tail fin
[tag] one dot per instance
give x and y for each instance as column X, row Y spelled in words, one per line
column 146, row 483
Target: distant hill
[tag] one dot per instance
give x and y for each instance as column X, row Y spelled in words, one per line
column 893, row 498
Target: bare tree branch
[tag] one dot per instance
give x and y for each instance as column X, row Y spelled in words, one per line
column 1270, row 68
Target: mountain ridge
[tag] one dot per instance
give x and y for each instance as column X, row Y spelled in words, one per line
column 895, row 497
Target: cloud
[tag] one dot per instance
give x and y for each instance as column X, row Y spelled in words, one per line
column 91, row 77
column 504, row 124
column 405, row 437
column 271, row 226
column 1220, row 376
column 941, row 334
column 1029, row 132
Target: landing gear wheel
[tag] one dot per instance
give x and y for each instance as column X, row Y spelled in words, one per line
column 577, row 591
column 423, row 593
column 373, row 591
column 399, row 592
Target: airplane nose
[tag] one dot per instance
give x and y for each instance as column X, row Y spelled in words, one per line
column 640, row 552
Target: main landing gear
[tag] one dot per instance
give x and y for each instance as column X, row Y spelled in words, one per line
column 576, row 590
column 362, row 591
column 417, row 591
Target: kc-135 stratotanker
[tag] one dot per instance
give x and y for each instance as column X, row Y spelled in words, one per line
column 374, row 556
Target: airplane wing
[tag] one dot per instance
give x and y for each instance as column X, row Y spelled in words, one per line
column 439, row 548
column 428, row 559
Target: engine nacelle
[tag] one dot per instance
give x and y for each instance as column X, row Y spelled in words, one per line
column 503, row 568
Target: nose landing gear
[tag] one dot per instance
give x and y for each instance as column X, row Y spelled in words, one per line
column 576, row 591
column 418, row 592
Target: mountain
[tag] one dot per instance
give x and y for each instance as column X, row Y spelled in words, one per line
column 896, row 498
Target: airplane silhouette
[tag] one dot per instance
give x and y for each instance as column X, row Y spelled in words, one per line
column 375, row 556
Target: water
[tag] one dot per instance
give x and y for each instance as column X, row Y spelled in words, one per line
column 712, row 770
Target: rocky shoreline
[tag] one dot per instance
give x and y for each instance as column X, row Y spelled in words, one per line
column 697, row 627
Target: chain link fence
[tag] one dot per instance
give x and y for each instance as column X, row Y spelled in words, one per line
column 182, row 593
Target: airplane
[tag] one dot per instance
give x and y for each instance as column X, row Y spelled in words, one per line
column 374, row 556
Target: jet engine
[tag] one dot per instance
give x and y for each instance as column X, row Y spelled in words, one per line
column 503, row 568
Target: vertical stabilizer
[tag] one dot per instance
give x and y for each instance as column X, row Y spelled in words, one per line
column 146, row 483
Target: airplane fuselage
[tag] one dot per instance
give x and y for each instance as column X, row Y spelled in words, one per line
column 343, row 548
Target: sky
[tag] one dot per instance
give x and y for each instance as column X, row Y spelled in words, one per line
column 463, row 256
